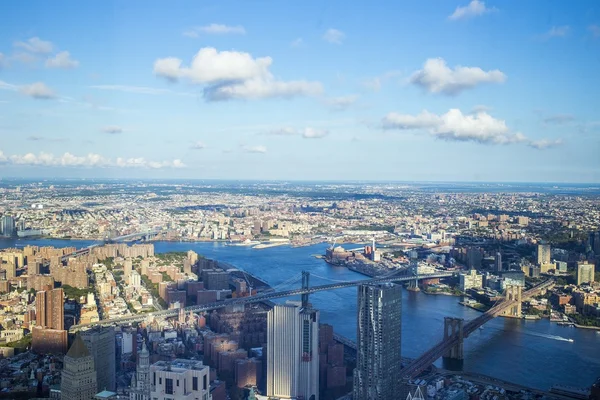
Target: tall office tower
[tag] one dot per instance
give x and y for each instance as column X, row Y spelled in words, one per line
column 7, row 226
column 594, row 242
column 543, row 254
column 378, row 361
column 78, row 375
column 498, row 262
column 585, row 273
column 101, row 344
column 179, row 379
column 140, row 381
column 293, row 352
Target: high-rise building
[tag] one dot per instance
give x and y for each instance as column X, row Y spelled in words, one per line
column 293, row 352
column 585, row 273
column 101, row 344
column 7, row 226
column 378, row 361
column 498, row 262
column 468, row 280
column 594, row 242
column 140, row 381
column 79, row 374
column 49, row 335
column 179, row 380
column 543, row 254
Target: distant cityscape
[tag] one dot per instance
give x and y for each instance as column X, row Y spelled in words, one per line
column 119, row 320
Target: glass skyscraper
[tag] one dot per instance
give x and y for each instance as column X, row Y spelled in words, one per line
column 378, row 361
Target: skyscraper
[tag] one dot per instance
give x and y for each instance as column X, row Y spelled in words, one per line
column 378, row 361
column 78, row 375
column 49, row 335
column 543, row 254
column 293, row 352
column 498, row 262
column 7, row 226
column 179, row 379
column 585, row 273
column 101, row 344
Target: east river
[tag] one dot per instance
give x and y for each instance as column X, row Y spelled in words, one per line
column 531, row 353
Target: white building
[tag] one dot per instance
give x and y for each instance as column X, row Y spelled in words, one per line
column 293, row 352
column 127, row 343
column 135, row 279
column 469, row 280
column 179, row 380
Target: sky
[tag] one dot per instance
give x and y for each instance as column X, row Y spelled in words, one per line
column 431, row 90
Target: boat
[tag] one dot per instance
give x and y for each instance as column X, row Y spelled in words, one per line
column 481, row 328
column 246, row 242
column 570, row 340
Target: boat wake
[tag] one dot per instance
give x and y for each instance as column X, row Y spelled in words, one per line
column 547, row 336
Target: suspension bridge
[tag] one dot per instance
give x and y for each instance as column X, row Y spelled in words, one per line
column 261, row 297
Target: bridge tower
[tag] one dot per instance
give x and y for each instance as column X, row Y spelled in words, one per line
column 413, row 284
column 305, row 280
column 454, row 327
column 514, row 293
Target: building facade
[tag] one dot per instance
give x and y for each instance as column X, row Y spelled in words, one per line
column 293, row 352
column 180, row 380
column 585, row 273
column 378, row 360
column 140, row 381
column 101, row 344
column 469, row 280
column 79, row 374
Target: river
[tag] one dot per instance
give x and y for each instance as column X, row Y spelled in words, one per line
column 531, row 353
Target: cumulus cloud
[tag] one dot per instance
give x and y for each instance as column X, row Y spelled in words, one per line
column 455, row 126
column 62, row 60
column 254, row 149
column 437, row 77
column 556, row 31
column 36, row 45
column 559, row 119
column 342, row 102
column 112, row 129
column 594, row 30
column 334, row 36
column 215, row 29
column 233, row 75
column 87, row 161
column 197, row 146
column 475, row 8
column 37, row 90
column 285, row 131
column 311, row 133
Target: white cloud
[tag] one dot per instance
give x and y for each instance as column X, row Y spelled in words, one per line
column 233, row 75
column 334, row 36
column 25, row 58
column 297, row 42
column 375, row 83
column 255, row 149
column 594, row 30
column 62, row 60
column 437, row 77
column 285, row 131
column 36, row 45
column 38, row 90
column 311, row 133
column 544, row 144
column 559, row 119
column 342, row 102
column 7, row 86
column 474, row 9
column 456, row 126
column 556, row 31
column 112, row 129
column 197, row 146
column 87, row 161
column 215, row 29
column 480, row 108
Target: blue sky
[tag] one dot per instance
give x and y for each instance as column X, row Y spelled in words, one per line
column 453, row 90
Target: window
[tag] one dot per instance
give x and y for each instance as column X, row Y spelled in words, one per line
column 195, row 383
column 204, row 382
column 168, row 386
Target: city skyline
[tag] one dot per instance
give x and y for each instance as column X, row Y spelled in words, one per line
column 463, row 91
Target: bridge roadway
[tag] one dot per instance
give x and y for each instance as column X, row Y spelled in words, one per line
column 117, row 239
column 257, row 298
column 413, row 369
